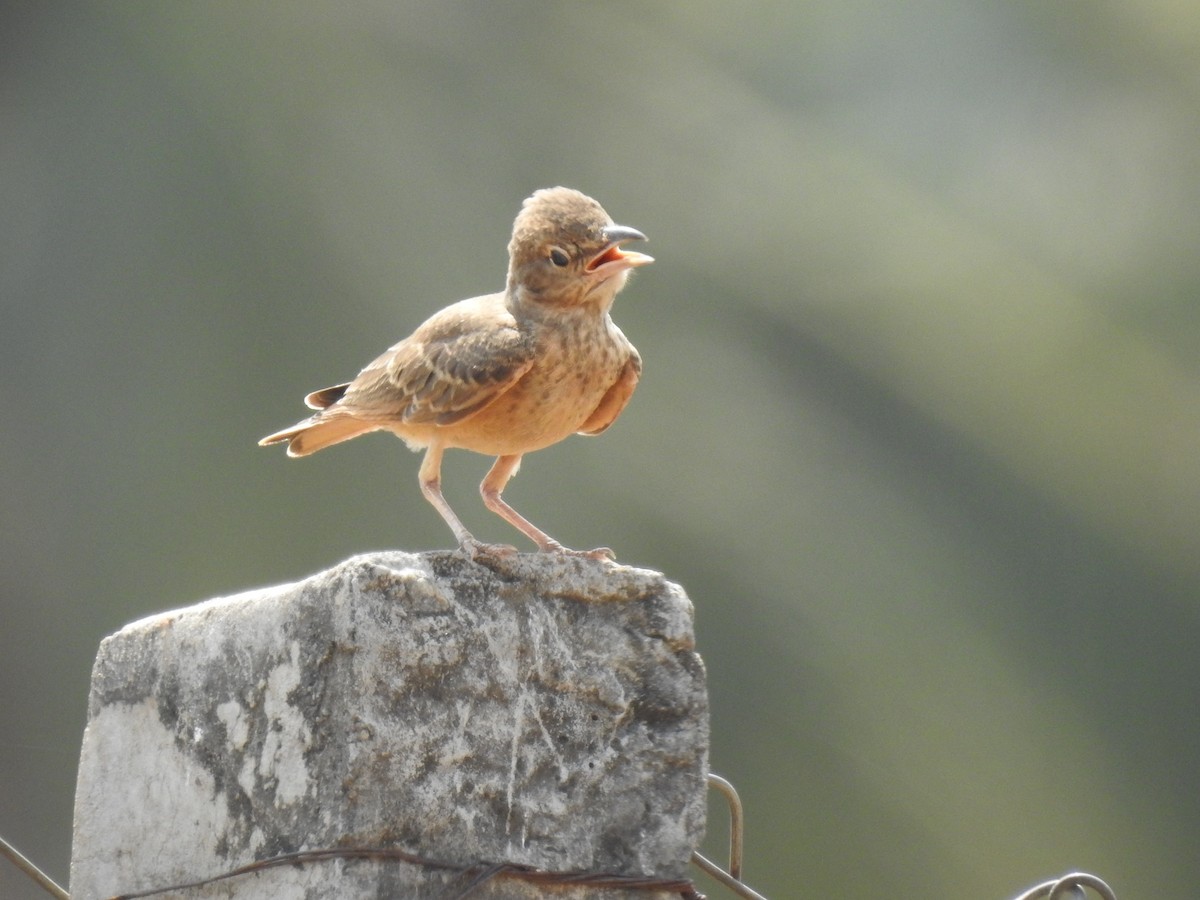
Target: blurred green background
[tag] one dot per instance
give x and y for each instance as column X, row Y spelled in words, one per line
column 918, row 429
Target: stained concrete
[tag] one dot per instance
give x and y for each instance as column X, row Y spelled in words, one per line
column 547, row 711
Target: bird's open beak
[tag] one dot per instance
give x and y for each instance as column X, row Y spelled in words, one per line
column 612, row 259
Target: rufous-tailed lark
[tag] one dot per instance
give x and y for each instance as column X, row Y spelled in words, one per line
column 503, row 374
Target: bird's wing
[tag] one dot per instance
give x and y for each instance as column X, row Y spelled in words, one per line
column 615, row 397
column 462, row 359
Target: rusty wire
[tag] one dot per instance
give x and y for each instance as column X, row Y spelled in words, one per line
column 478, row 875
column 471, row 878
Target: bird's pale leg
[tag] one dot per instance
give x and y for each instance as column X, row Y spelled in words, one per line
column 431, row 486
column 491, row 489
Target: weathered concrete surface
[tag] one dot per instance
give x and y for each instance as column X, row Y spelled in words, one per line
column 550, row 713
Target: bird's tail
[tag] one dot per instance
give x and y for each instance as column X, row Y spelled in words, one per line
column 317, row 433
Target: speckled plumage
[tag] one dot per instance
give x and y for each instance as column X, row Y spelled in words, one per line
column 507, row 373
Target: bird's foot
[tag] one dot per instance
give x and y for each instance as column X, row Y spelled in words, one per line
column 599, row 553
column 604, row 553
column 478, row 551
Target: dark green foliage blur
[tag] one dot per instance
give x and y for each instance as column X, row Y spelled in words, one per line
column 919, row 429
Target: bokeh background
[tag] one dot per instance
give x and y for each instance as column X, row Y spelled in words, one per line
column 918, row 429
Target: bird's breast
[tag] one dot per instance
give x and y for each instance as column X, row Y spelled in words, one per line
column 577, row 361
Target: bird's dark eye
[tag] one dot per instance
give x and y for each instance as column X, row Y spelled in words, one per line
column 559, row 257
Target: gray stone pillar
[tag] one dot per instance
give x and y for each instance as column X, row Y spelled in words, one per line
column 433, row 713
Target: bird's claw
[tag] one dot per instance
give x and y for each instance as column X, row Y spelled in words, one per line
column 479, row 551
column 599, row 553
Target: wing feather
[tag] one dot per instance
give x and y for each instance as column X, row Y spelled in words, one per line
column 615, row 398
column 456, row 364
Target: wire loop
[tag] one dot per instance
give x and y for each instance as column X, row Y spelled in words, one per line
column 1069, row 887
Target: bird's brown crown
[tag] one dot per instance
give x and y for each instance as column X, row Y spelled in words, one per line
column 560, row 243
column 557, row 215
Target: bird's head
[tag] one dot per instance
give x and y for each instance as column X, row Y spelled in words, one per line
column 566, row 251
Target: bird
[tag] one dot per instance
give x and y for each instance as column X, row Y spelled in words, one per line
column 502, row 374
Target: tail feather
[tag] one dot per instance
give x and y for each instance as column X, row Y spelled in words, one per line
column 317, row 433
column 326, row 397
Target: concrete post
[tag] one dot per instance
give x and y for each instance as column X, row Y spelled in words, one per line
column 437, row 715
